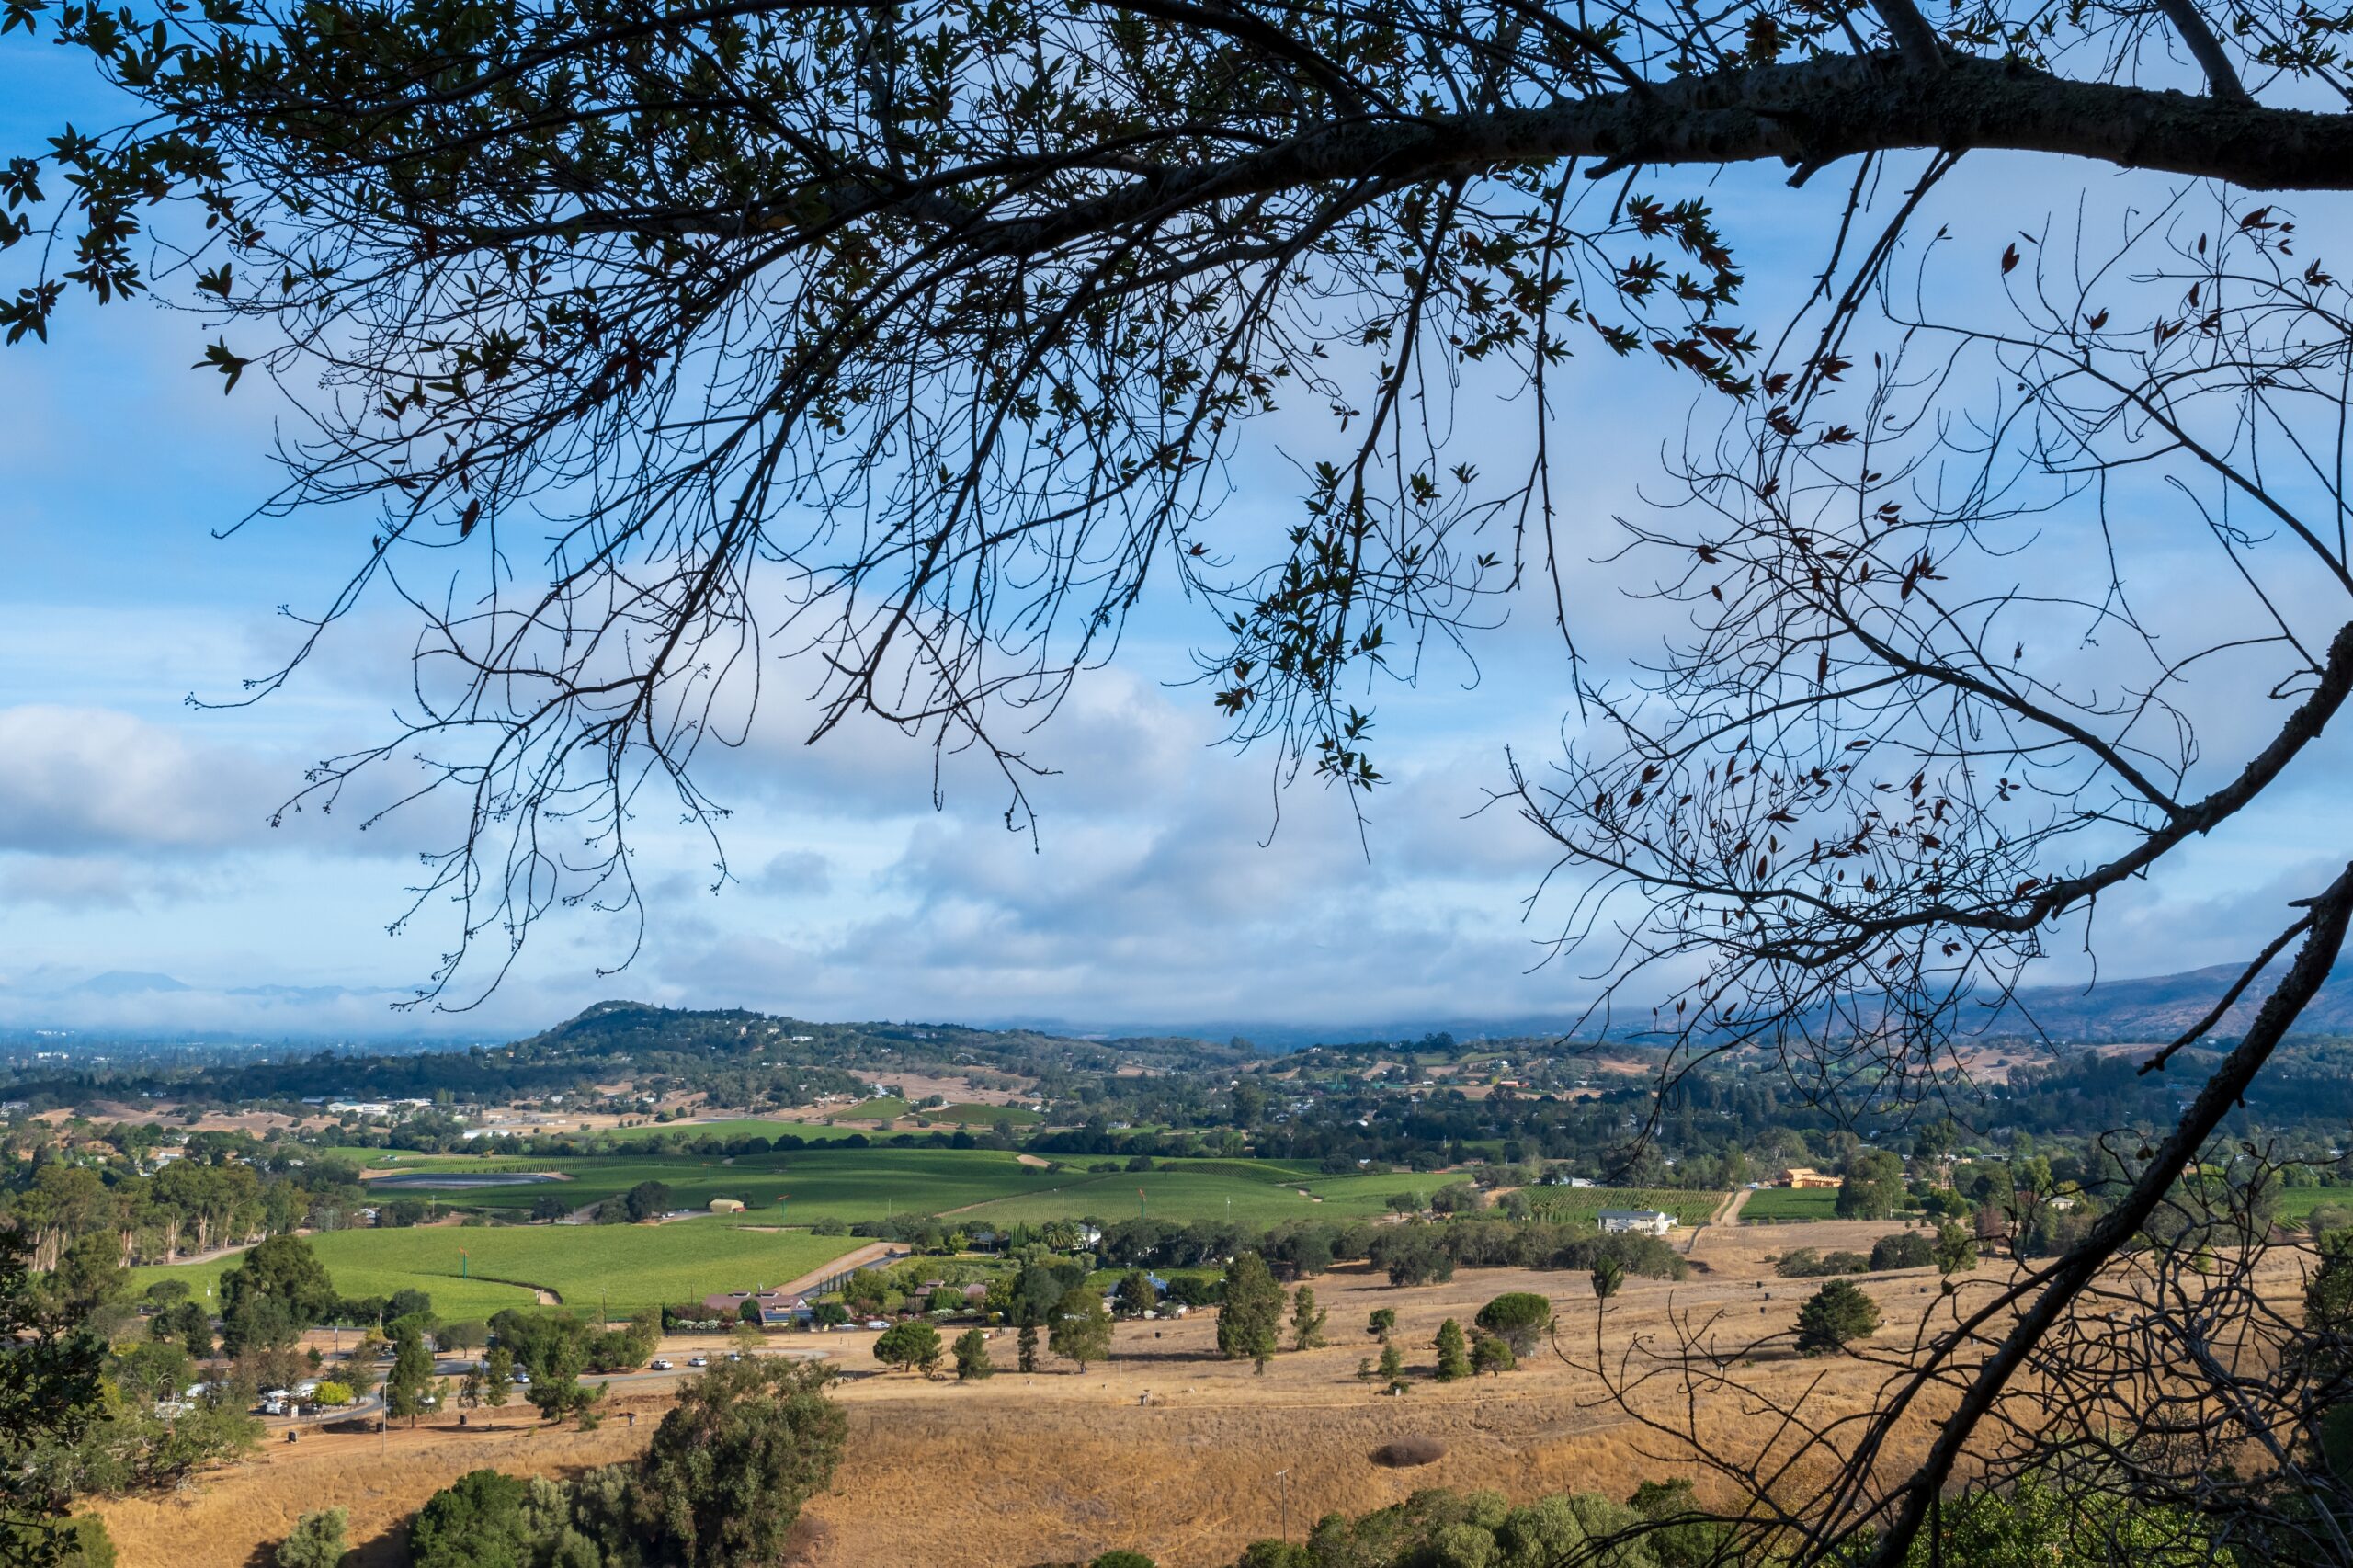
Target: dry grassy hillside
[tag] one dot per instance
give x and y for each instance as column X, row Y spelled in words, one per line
column 1019, row 1470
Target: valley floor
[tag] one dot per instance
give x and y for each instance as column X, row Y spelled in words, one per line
column 1164, row 1449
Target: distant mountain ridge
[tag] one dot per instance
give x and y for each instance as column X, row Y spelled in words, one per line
column 2158, row 1008
column 133, row 1006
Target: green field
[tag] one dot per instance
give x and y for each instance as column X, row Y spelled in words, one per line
column 817, row 1183
column 356, row 1276
column 623, row 1267
column 799, row 1187
column 1786, row 1205
column 982, row 1115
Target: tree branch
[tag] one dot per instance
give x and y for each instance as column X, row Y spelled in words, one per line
column 1911, row 32
column 2222, row 77
column 2304, row 978
column 1807, row 113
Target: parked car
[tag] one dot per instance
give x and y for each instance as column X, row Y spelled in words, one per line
column 659, row 1364
column 698, row 1360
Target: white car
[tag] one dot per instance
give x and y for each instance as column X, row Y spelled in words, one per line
column 734, row 1355
column 659, row 1365
column 698, row 1360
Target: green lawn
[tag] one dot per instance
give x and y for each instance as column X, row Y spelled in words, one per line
column 1783, row 1205
column 625, row 1267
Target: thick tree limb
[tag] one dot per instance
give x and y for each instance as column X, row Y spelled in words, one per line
column 2066, row 1280
column 1806, row 114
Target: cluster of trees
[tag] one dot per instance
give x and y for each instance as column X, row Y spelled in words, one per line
column 1659, row 1527
column 224, row 1189
column 720, row 1485
column 1663, row 1525
column 88, row 1410
column 1952, row 1249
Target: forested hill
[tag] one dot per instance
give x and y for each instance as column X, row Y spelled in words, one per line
column 742, row 1055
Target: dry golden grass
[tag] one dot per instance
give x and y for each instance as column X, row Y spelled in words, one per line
column 1059, row 1465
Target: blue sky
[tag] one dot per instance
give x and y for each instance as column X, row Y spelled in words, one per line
column 134, row 836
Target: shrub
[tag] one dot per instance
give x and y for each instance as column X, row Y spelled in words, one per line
column 317, row 1540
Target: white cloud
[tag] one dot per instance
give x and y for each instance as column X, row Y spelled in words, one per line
column 76, row 778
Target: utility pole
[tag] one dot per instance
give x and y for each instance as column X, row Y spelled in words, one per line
column 1284, row 1476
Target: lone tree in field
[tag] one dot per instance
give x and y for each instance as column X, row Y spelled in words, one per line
column 1519, row 1318
column 1080, row 1331
column 1249, row 1319
column 1453, row 1353
column 914, row 1344
column 1956, row 1249
column 973, row 1361
column 916, row 341
column 1837, row 1314
column 1306, row 1320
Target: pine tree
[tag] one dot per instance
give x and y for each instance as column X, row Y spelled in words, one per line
column 1082, row 1329
column 1453, row 1355
column 972, row 1356
column 1393, row 1365
column 409, row 1389
column 1838, row 1312
column 1306, row 1321
column 1249, row 1323
column 1029, row 1347
column 497, row 1376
